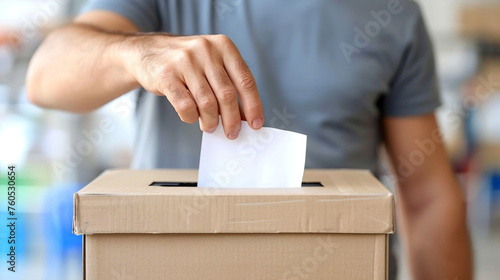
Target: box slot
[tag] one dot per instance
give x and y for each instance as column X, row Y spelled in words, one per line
column 194, row 184
column 312, row 184
column 174, row 184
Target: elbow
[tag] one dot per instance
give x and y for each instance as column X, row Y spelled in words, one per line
column 36, row 96
column 42, row 93
column 34, row 83
column 32, row 92
column 38, row 78
column 443, row 196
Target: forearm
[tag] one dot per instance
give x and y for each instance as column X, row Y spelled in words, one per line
column 431, row 206
column 85, row 65
column 79, row 68
column 435, row 232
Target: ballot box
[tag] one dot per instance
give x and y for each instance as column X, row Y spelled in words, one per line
column 157, row 224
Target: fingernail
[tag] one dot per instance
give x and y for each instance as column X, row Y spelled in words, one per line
column 233, row 135
column 211, row 130
column 258, row 123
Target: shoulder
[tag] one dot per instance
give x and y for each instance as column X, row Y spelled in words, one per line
column 382, row 27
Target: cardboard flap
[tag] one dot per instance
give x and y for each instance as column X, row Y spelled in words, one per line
column 124, row 201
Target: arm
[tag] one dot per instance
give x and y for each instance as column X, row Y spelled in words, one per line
column 102, row 56
column 431, row 209
column 78, row 67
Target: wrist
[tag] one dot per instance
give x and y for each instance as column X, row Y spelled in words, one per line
column 123, row 55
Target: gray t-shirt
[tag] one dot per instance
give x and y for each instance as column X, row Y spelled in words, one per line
column 328, row 69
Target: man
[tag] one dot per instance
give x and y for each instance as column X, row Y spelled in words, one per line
column 346, row 73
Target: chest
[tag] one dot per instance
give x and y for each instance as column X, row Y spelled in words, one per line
column 294, row 49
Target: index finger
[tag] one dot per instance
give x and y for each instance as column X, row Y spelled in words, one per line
column 245, row 85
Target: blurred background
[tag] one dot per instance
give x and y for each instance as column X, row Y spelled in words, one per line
column 57, row 153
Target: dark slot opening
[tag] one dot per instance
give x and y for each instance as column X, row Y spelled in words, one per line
column 174, row 184
column 312, row 184
column 193, row 184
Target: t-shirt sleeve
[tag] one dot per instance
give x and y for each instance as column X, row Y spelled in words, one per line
column 414, row 88
column 143, row 13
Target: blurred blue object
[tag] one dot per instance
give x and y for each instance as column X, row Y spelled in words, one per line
column 488, row 205
column 65, row 248
column 495, row 193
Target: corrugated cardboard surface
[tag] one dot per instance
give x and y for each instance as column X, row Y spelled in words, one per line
column 236, row 256
column 122, row 201
column 137, row 231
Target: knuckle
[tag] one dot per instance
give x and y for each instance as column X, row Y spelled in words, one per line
column 227, row 95
column 207, row 103
column 247, row 81
column 183, row 56
column 223, row 39
column 202, row 42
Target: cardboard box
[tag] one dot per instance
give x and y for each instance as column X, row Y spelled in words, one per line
column 134, row 229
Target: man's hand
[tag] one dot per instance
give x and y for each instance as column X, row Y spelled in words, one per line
column 202, row 77
column 103, row 55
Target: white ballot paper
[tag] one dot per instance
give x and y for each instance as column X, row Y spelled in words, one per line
column 264, row 158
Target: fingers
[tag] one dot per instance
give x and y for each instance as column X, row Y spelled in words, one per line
column 205, row 76
column 205, row 100
column 179, row 96
column 244, row 82
column 227, row 99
